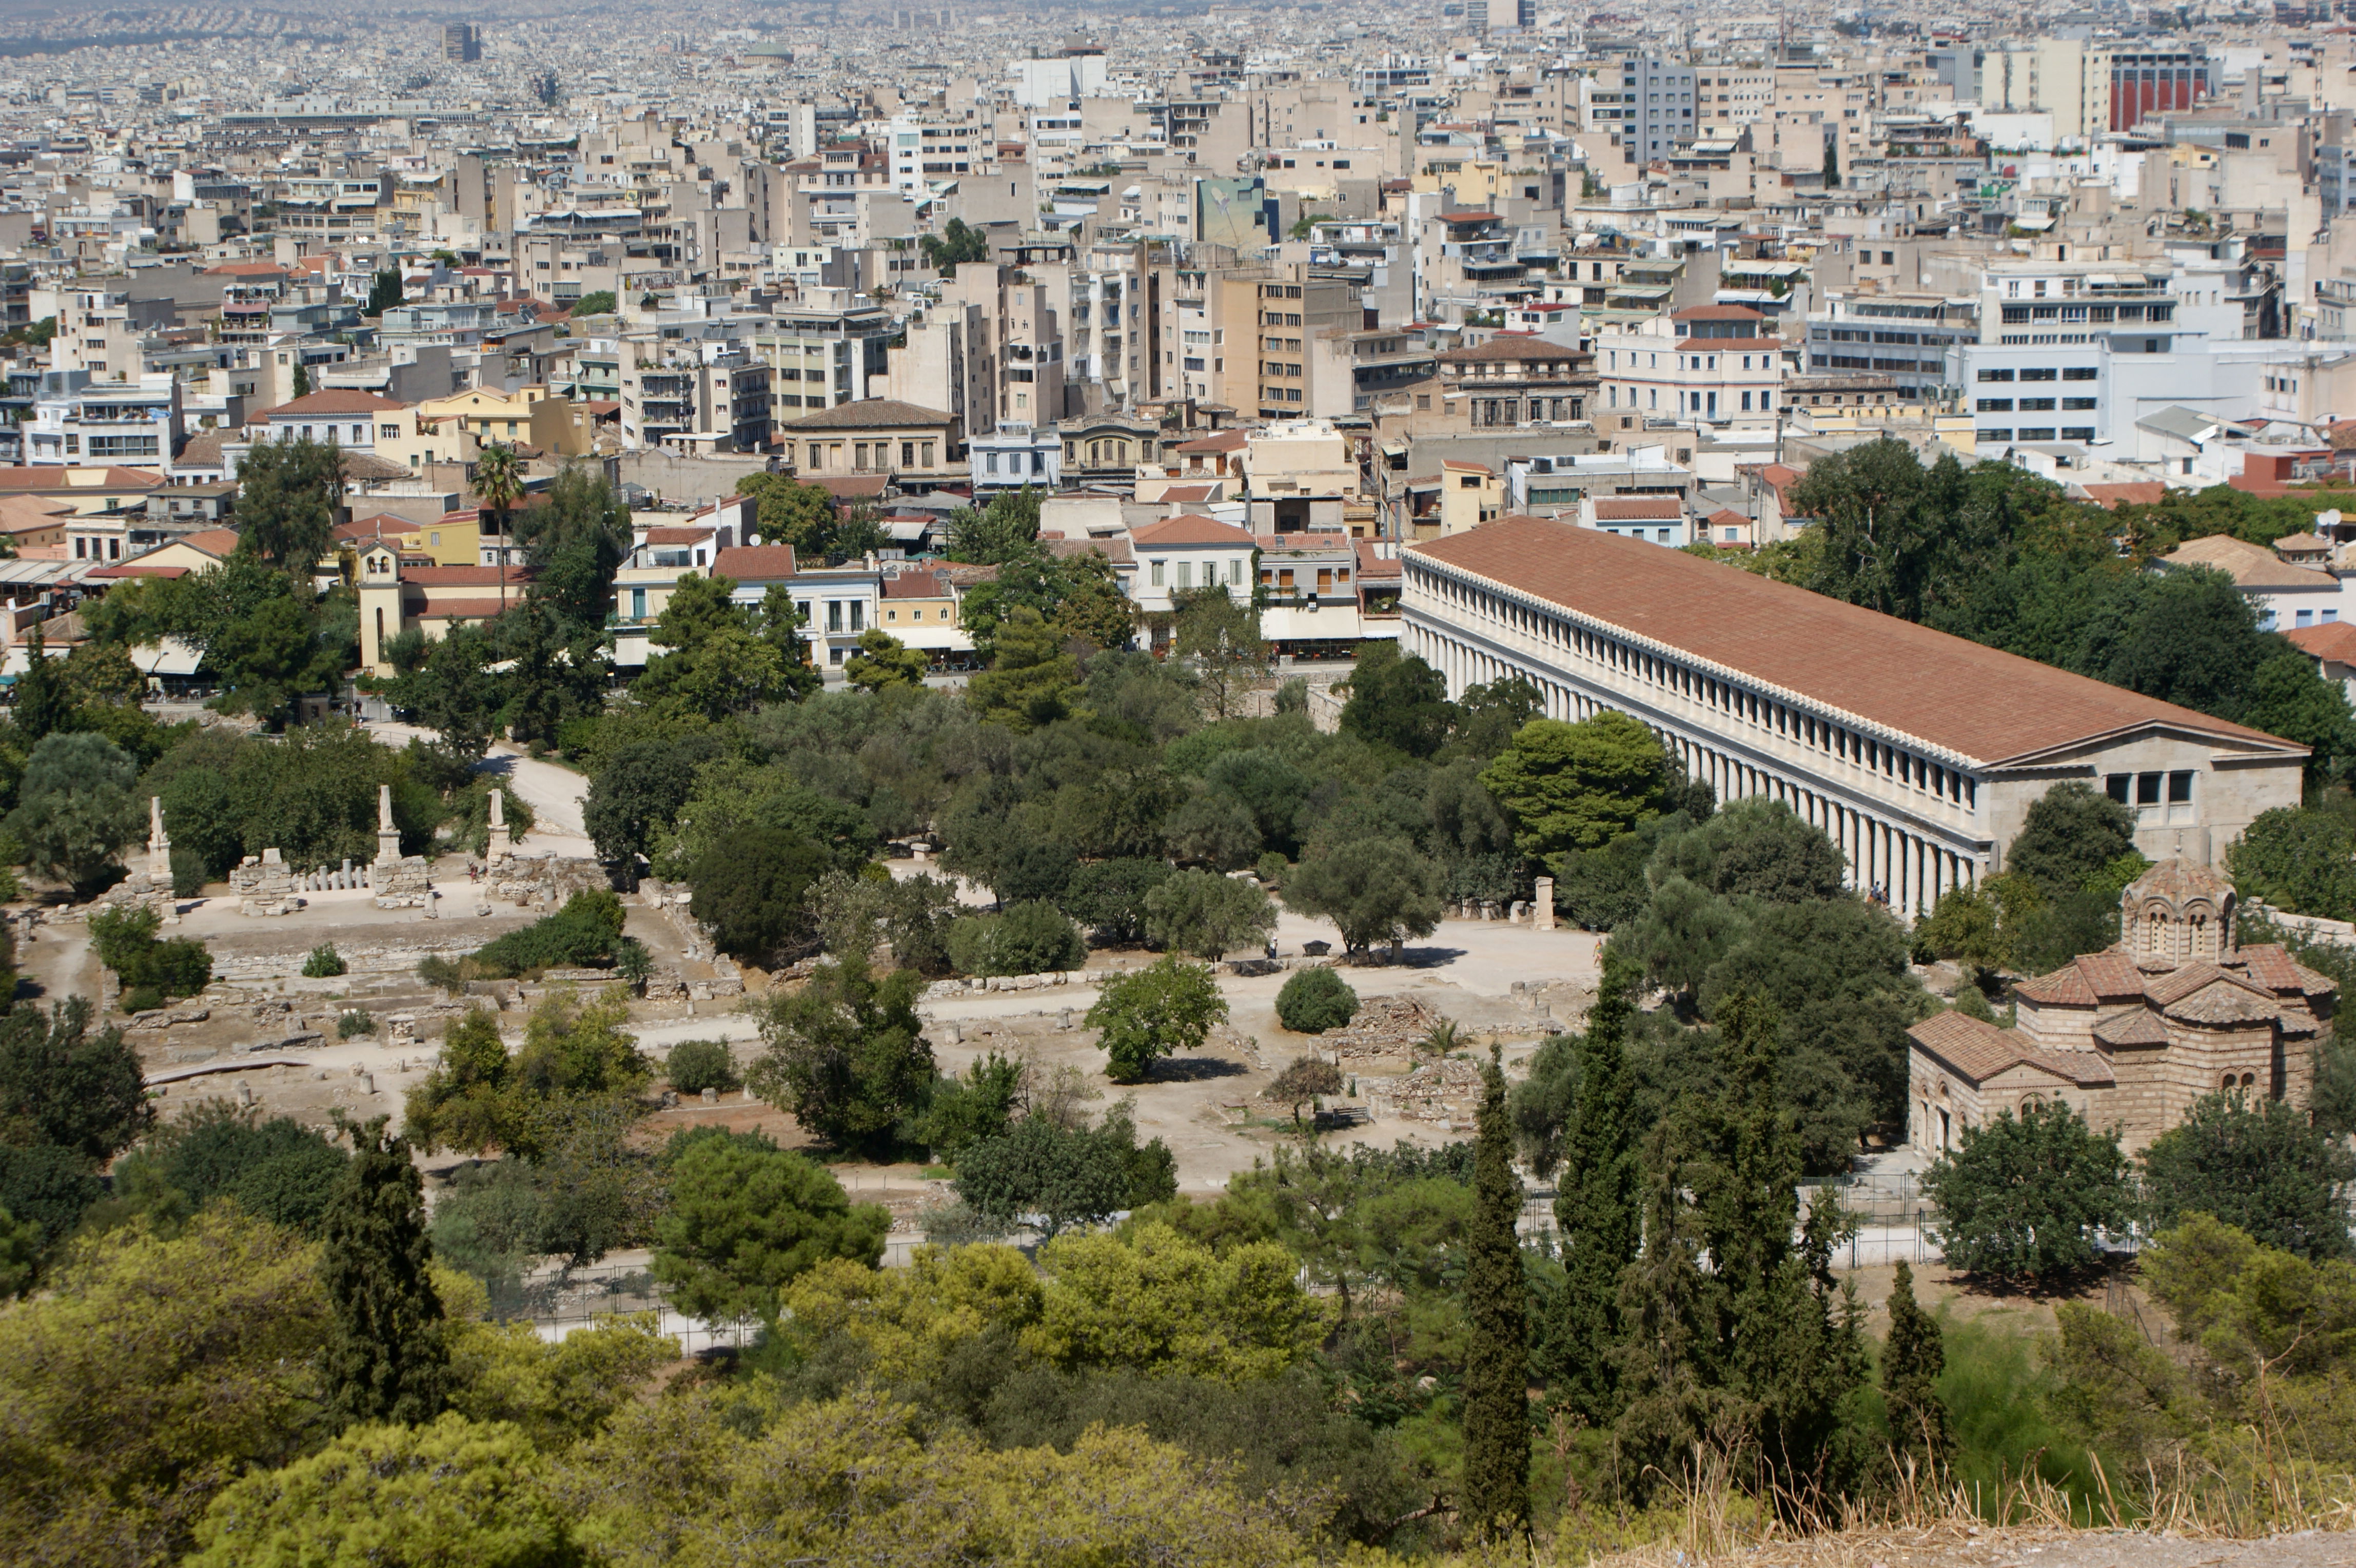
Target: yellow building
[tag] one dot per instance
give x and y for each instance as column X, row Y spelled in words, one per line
column 395, row 595
column 454, row 539
column 530, row 416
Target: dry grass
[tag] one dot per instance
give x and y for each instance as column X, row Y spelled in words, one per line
column 1706, row 1518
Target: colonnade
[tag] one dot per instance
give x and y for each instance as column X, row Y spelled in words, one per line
column 1883, row 849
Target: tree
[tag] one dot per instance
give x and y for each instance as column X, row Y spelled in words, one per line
column 43, row 701
column 402, row 1496
column 1315, row 1000
column 1913, row 1358
column 277, row 1170
column 751, row 892
column 847, row 1055
column 1207, row 915
column 2069, row 836
column 1373, row 890
column 1579, row 786
column 384, row 292
column 1220, row 638
column 61, row 1085
column 2260, row 1167
column 2025, row 1197
column 1005, row 529
column 884, row 662
column 575, row 542
column 454, row 693
column 1032, row 682
column 1153, row 1298
column 1108, row 896
column 956, row 242
column 288, row 497
column 1031, row 938
column 1303, row 1080
column 2298, row 859
column 1496, row 1504
column 600, row 302
column 1396, row 699
column 1597, row 1219
column 694, row 1065
column 268, row 660
column 2288, row 698
column 385, row 1359
column 1062, row 1175
column 1168, row 1006
column 499, row 484
column 74, row 807
column 643, row 786
column 1832, row 164
column 151, row 1373
column 746, row 1218
column 792, row 513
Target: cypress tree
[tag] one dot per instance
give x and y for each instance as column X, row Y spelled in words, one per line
column 1911, row 1360
column 43, row 704
column 1495, row 1505
column 386, row 1360
column 1596, row 1214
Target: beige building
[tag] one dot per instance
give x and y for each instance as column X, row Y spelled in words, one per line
column 875, row 435
column 1918, row 753
column 395, row 596
column 2130, row 1037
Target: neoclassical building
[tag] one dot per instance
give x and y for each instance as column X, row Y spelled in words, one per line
column 2131, row 1036
column 1918, row 753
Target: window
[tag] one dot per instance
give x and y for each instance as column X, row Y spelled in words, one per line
column 834, row 614
column 2037, row 374
column 1157, row 574
column 1995, row 405
column 2077, row 373
column 2077, row 404
column 2179, row 788
column 1995, row 375
column 2148, row 788
column 2037, row 405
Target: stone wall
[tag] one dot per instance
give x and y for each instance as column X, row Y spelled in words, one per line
column 542, row 881
column 403, row 883
column 264, row 884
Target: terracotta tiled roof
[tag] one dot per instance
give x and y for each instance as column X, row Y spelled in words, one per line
column 2137, row 492
column 514, row 578
column 2250, row 565
column 2335, row 640
column 2132, row 1026
column 1189, row 530
column 2269, row 965
column 1218, row 441
column 1630, row 509
column 49, row 478
column 755, row 563
column 2111, row 974
column 2065, row 987
column 916, row 585
column 330, row 404
column 868, row 413
column 1183, row 493
column 1507, row 347
column 1116, row 550
column 132, row 569
column 2225, row 1000
column 1373, row 565
column 1977, row 704
column 677, row 535
column 1978, row 1050
column 850, row 487
column 461, row 606
column 2179, row 879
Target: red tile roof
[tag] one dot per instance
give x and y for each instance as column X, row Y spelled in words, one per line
column 1189, row 530
column 1975, row 702
column 329, row 405
column 514, row 578
column 132, row 569
column 1978, row 1050
column 49, row 478
column 2335, row 640
column 1629, row 508
column 1373, row 565
column 755, row 563
column 2137, row 492
column 677, row 535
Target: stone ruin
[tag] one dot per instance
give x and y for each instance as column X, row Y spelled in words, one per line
column 401, row 881
column 152, row 885
column 264, row 884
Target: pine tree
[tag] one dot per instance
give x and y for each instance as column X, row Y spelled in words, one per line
column 1596, row 1214
column 1911, row 1360
column 1496, row 1504
column 386, row 1360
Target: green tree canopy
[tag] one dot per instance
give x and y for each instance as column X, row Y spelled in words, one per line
column 847, row 1054
column 1579, row 786
column 2025, row 1197
column 1168, row 1006
column 746, row 1218
column 2257, row 1166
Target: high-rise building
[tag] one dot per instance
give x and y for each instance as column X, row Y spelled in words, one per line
column 462, row 41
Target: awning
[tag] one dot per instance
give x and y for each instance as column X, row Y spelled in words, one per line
column 172, row 656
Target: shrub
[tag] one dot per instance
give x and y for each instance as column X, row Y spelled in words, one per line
column 694, row 1065
column 1272, row 868
column 353, row 1024
column 1029, row 938
column 126, row 939
column 1315, row 1000
column 142, row 998
column 584, row 932
column 323, row 962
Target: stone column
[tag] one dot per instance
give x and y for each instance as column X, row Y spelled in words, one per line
column 1542, row 915
column 388, row 837
column 502, row 843
column 159, row 861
